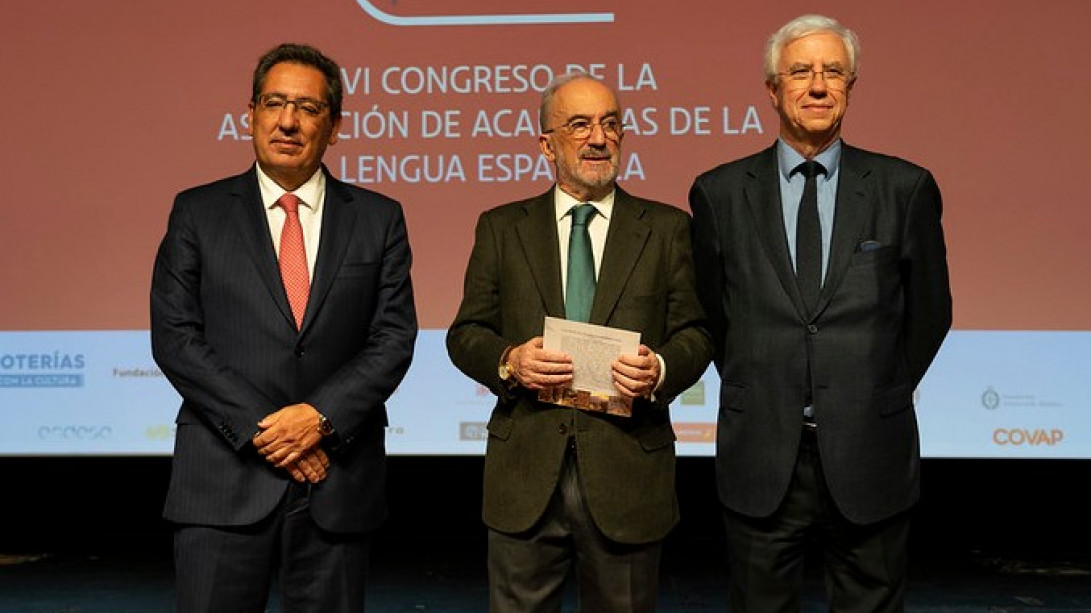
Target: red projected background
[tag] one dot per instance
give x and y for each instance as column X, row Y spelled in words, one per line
column 112, row 107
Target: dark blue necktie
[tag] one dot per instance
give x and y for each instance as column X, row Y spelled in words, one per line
column 809, row 237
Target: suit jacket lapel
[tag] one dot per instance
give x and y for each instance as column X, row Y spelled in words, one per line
column 338, row 223
column 763, row 196
column 538, row 236
column 625, row 240
column 849, row 215
column 249, row 216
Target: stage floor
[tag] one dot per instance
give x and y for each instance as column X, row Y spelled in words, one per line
column 448, row 576
column 85, row 535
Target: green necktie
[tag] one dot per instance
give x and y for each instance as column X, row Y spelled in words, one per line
column 580, row 291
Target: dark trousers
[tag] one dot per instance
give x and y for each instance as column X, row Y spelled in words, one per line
column 528, row 571
column 231, row 569
column 865, row 566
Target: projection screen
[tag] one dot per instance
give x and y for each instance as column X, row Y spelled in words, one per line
column 112, row 107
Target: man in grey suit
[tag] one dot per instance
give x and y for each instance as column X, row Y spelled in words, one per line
column 817, row 436
column 567, row 489
column 279, row 460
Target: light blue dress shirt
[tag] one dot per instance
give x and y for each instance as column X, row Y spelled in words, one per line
column 791, row 191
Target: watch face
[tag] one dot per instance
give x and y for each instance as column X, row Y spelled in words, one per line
column 505, row 368
column 324, row 427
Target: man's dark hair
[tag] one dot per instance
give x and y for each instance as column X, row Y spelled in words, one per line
column 307, row 56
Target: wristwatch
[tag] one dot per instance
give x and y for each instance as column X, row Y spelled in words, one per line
column 505, row 369
column 325, row 428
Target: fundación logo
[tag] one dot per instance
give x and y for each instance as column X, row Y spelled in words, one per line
column 481, row 19
column 990, row 398
column 56, row 369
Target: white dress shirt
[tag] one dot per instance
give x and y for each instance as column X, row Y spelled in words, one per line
column 311, row 194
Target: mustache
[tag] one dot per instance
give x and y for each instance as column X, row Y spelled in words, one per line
column 594, row 152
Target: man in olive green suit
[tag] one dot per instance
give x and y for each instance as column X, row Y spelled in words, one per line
column 567, row 489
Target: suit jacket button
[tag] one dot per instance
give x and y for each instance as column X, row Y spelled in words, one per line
column 563, row 429
column 299, row 352
column 813, row 329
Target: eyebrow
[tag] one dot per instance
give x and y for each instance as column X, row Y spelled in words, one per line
column 825, row 65
column 614, row 114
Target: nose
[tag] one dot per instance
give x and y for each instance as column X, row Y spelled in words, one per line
column 818, row 83
column 597, row 136
column 288, row 119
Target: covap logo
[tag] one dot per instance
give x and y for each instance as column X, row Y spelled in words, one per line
column 1027, row 437
column 481, row 20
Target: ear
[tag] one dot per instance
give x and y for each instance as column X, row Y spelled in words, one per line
column 546, row 145
column 771, row 89
column 250, row 120
column 333, row 133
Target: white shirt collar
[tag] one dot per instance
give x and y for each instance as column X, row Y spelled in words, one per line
column 310, row 192
column 563, row 203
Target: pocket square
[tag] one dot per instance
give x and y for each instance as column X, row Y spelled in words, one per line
column 868, row 246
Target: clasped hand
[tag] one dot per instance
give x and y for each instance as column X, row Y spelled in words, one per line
column 289, row 439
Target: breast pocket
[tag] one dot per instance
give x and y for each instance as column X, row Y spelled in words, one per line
column 358, row 270
column 354, row 291
column 875, row 256
column 644, row 311
column 873, row 277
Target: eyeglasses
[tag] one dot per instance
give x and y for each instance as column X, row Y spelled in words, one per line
column 275, row 103
column 580, row 129
column 798, row 76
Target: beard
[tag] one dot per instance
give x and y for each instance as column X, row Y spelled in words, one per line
column 602, row 175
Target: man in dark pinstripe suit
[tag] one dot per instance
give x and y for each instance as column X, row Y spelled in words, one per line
column 279, row 457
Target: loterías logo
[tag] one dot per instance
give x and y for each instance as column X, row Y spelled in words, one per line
column 473, row 19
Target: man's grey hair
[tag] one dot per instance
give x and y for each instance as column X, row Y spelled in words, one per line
column 806, row 25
